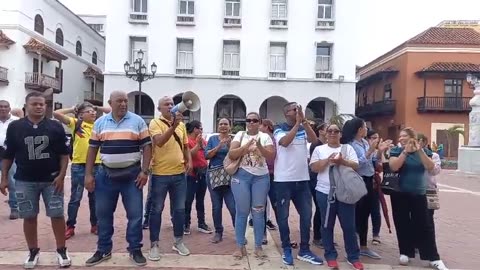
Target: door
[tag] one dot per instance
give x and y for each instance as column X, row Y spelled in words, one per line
column 453, row 94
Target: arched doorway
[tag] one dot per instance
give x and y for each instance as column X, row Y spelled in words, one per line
column 232, row 108
column 272, row 108
column 319, row 109
column 187, row 115
column 147, row 108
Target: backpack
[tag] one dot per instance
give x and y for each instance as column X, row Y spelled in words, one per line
column 347, row 185
column 77, row 127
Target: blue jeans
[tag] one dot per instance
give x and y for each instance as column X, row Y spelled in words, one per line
column 375, row 214
column 12, row 199
column 299, row 193
column 106, row 195
column 176, row 187
column 218, row 195
column 250, row 193
column 148, row 204
column 78, row 185
column 28, row 197
column 346, row 215
column 196, row 190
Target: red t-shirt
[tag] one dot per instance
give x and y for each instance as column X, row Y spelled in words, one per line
column 198, row 160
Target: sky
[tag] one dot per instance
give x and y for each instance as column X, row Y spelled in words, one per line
column 381, row 24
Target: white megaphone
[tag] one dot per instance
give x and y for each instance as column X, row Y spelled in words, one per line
column 190, row 102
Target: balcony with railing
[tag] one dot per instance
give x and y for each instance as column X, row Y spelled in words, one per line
column 378, row 108
column 138, row 17
column 323, row 67
column 3, row 75
column 41, row 82
column 443, row 104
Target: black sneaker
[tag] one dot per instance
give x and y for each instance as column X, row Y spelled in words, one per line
column 62, row 258
column 32, row 258
column 137, row 258
column 97, row 258
column 270, row 225
column 186, row 230
column 203, row 228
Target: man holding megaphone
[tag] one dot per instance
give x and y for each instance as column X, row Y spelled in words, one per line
column 171, row 161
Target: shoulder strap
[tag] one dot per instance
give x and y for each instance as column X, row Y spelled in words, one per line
column 343, row 150
column 78, row 125
column 174, row 134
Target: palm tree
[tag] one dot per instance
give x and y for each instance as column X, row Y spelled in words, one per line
column 453, row 132
column 337, row 118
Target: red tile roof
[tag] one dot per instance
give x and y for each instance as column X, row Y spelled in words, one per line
column 451, row 67
column 5, row 40
column 36, row 46
column 446, row 36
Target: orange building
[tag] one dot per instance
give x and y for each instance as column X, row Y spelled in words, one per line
column 422, row 84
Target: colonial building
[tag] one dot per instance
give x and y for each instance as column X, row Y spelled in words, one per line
column 44, row 46
column 422, row 84
column 96, row 22
column 237, row 56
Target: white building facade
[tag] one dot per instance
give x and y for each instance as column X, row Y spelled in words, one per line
column 96, row 22
column 238, row 56
column 44, row 45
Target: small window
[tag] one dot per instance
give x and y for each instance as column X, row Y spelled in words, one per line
column 187, row 7
column 94, row 58
column 232, row 8
column 231, row 58
column 453, row 88
column 59, row 37
column 324, row 58
column 137, row 44
column 38, row 27
column 139, row 6
column 78, row 48
column 185, row 56
column 387, row 91
column 278, row 60
column 325, row 9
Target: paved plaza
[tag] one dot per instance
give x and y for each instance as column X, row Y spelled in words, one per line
column 457, row 223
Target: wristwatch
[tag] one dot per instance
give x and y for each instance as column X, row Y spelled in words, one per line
column 147, row 171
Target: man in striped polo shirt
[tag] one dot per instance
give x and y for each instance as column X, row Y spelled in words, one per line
column 125, row 151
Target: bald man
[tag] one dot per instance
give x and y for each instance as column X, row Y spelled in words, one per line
column 125, row 152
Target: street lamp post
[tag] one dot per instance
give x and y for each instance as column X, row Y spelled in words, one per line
column 469, row 155
column 139, row 74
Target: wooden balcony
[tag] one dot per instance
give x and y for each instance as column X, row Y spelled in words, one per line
column 96, row 99
column 377, row 108
column 41, row 82
column 3, row 75
column 443, row 104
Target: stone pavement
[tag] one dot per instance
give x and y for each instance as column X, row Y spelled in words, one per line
column 457, row 226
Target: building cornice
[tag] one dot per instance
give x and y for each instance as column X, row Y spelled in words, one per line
column 389, row 57
column 48, row 42
column 218, row 77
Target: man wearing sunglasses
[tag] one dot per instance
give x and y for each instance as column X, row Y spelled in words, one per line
column 81, row 127
column 291, row 180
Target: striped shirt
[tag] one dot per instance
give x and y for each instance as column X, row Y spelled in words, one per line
column 120, row 142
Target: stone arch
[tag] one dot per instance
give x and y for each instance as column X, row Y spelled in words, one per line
column 320, row 109
column 272, row 108
column 233, row 108
column 187, row 115
column 147, row 105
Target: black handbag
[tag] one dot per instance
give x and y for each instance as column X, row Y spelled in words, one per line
column 123, row 174
column 391, row 180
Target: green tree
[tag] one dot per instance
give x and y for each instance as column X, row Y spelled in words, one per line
column 452, row 133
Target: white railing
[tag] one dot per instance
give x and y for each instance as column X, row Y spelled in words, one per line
column 185, row 19
column 3, row 74
column 42, row 80
column 138, row 17
column 232, row 21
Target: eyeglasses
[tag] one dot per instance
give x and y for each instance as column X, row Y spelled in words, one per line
column 255, row 121
column 200, row 128
column 333, row 131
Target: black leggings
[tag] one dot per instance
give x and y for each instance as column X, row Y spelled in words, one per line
column 363, row 210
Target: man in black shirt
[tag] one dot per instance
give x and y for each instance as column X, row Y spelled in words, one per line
column 38, row 146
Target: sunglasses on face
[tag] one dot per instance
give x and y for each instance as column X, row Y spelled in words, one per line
column 255, row 121
column 333, row 131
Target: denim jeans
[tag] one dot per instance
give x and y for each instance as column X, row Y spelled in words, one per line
column 176, row 187
column 196, row 190
column 78, row 180
column 250, row 193
column 218, row 195
column 12, row 199
column 106, row 195
column 148, row 203
column 346, row 216
column 317, row 221
column 299, row 193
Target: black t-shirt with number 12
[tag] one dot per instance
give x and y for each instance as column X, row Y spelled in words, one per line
column 36, row 149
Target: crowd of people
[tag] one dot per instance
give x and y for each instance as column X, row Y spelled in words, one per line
column 256, row 172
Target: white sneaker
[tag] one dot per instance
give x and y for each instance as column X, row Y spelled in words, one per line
column 181, row 248
column 154, row 254
column 404, row 260
column 62, row 257
column 438, row 265
column 32, row 258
